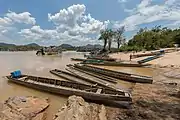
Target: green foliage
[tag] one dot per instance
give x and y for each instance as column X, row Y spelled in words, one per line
column 153, row 39
column 129, row 48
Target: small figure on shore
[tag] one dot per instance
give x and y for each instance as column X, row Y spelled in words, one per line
column 130, row 57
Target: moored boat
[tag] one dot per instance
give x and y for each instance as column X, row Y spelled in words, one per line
column 70, row 88
column 149, row 59
column 78, row 59
column 108, row 63
column 160, row 52
column 102, row 58
column 81, row 77
column 103, row 77
column 116, row 74
column 70, row 77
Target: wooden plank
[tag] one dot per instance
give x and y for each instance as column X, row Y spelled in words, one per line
column 23, row 78
column 99, row 91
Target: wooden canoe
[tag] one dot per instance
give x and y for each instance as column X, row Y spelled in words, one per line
column 70, row 77
column 103, row 77
column 149, row 59
column 108, row 63
column 148, row 54
column 84, row 78
column 70, row 88
column 102, row 58
column 115, row 74
column 78, row 59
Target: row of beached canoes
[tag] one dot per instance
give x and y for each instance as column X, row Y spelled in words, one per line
column 106, row 62
column 115, row 74
column 92, row 83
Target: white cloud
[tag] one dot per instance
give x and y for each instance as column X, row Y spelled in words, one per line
column 71, row 25
column 24, row 17
column 122, row 1
column 68, row 16
column 5, row 21
column 75, row 21
column 144, row 3
column 36, row 33
column 145, row 12
column 11, row 18
column 48, row 37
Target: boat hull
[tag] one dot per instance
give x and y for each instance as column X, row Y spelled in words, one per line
column 116, row 64
column 78, row 59
column 115, row 74
column 69, row 92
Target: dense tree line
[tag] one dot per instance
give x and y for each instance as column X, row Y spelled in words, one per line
column 145, row 39
column 152, row 39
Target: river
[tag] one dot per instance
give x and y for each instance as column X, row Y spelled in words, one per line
column 31, row 64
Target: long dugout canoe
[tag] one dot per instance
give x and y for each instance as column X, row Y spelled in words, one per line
column 68, row 76
column 102, row 58
column 104, row 77
column 86, row 78
column 149, row 59
column 70, row 88
column 108, row 63
column 120, row 75
column 148, row 54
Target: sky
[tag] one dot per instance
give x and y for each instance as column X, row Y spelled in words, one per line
column 78, row 22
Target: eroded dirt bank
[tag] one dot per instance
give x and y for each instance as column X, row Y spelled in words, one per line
column 23, row 108
column 77, row 109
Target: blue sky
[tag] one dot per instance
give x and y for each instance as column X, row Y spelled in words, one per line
column 78, row 22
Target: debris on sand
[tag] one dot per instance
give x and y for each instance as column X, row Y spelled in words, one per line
column 23, row 108
column 77, row 109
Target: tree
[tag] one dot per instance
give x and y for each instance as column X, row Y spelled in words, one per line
column 177, row 39
column 119, row 36
column 110, row 37
column 104, row 37
column 107, row 36
column 155, row 38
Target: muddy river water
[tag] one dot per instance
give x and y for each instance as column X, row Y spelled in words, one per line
column 31, row 64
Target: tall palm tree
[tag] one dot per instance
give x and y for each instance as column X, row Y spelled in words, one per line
column 119, row 36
